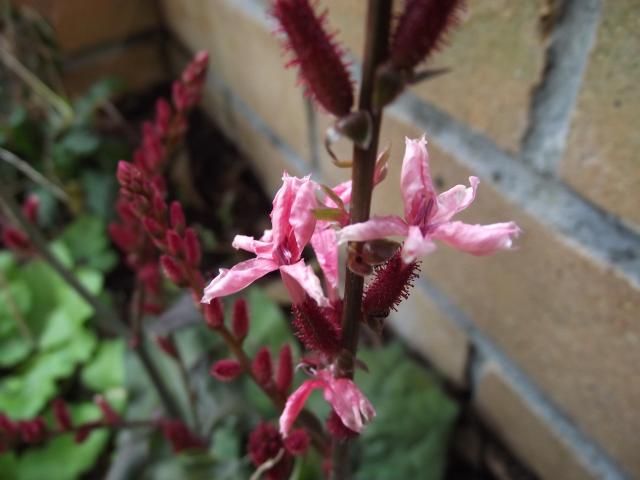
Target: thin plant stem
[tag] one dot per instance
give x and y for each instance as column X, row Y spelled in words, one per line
column 375, row 52
column 107, row 319
column 35, row 176
column 192, row 394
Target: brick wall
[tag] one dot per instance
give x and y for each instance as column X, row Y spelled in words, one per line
column 105, row 38
column 542, row 104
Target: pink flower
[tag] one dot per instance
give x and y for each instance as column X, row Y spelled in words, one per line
column 342, row 394
column 427, row 216
column 280, row 248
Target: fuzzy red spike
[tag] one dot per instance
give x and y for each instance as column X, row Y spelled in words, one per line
column 389, row 287
column 284, row 375
column 421, row 29
column 319, row 58
column 315, row 327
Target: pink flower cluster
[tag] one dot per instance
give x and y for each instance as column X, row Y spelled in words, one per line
column 428, row 217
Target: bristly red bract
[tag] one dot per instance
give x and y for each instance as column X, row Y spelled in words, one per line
column 317, row 328
column 318, row 56
column 391, row 285
column 420, row 30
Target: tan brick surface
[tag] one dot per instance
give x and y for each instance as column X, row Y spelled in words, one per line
column 138, row 66
column 81, row 24
column 428, row 331
column 568, row 321
column 497, row 57
column 602, row 160
column 523, row 430
column 247, row 56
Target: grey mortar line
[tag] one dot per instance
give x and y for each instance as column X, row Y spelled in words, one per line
column 554, row 99
column 590, row 454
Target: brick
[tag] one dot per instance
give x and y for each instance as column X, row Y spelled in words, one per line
column 568, row 321
column 81, row 24
column 428, row 331
column 602, row 156
column 247, row 56
column 530, row 437
column 496, row 56
column 138, row 65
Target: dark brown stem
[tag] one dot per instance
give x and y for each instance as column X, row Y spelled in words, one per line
column 375, row 52
column 107, row 319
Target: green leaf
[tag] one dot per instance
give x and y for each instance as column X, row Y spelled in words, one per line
column 9, row 465
column 87, row 241
column 100, row 191
column 106, row 369
column 97, row 95
column 80, row 142
column 409, row 437
column 269, row 326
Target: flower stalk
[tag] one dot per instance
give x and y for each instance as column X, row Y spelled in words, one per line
column 364, row 160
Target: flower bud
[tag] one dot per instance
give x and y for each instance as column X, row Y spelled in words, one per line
column 15, row 239
column 226, row 370
column 30, row 208
column 240, row 320
column 262, row 367
column 109, row 415
column 172, row 269
column 174, row 243
column 176, row 214
column 193, row 253
column 153, row 227
column 213, row 313
column 167, row 345
column 284, row 375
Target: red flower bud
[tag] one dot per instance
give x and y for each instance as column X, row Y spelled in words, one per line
column 240, row 321
column 153, row 227
column 62, row 415
column 172, row 269
column 30, row 208
column 176, row 213
column 322, row 69
column 297, row 442
column 193, row 253
column 14, row 239
column 420, row 30
column 262, row 367
column 82, row 433
column 284, row 375
column 180, row 437
column 125, row 173
column 213, row 314
column 226, row 370
column 174, row 243
column 265, row 444
column 167, row 345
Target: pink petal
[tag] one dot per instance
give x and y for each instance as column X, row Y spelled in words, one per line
column 416, row 245
column 415, row 180
column 455, row 200
column 240, row 276
column 281, row 210
column 348, row 402
column 477, row 239
column 301, row 218
column 299, row 279
column 325, row 245
column 295, row 404
column 343, row 190
column 250, row 244
column 377, row 227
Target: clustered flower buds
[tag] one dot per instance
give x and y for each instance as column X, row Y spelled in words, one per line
column 137, row 233
column 319, row 58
